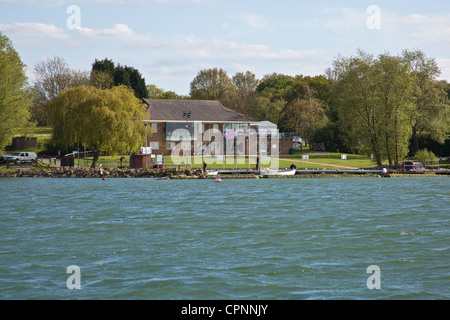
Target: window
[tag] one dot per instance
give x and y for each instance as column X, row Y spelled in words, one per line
column 188, row 129
column 170, row 145
column 155, row 127
column 154, row 145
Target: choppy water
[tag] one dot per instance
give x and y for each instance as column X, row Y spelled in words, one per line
column 239, row 239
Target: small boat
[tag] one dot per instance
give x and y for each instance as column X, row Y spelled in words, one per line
column 212, row 172
column 278, row 172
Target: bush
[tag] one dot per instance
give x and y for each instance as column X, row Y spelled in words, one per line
column 425, row 155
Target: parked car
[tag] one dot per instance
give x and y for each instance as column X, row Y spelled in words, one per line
column 21, row 157
column 412, row 166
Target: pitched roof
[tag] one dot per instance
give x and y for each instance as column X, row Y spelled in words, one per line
column 192, row 110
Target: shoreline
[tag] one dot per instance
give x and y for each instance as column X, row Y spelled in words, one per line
column 195, row 174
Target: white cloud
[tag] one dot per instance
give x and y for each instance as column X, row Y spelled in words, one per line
column 192, row 47
column 444, row 65
column 255, row 21
column 120, row 32
column 431, row 29
column 33, row 29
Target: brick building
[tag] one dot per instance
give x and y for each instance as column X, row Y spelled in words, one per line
column 190, row 122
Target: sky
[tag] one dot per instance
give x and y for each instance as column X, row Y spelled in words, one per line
column 170, row 41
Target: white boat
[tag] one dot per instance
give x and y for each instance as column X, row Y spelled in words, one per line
column 278, row 172
column 212, row 172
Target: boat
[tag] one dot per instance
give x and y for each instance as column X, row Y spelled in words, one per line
column 278, row 172
column 212, row 172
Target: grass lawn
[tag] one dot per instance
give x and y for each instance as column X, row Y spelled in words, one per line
column 316, row 160
column 328, row 160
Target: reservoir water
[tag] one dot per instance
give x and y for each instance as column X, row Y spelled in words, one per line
column 278, row 239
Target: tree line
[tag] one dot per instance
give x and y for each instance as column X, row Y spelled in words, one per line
column 387, row 106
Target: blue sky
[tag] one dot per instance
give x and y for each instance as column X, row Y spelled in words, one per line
column 170, row 41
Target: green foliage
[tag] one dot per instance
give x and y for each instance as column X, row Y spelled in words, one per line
column 101, row 120
column 424, row 155
column 431, row 116
column 118, row 75
column 211, row 84
column 268, row 108
column 154, row 92
column 15, row 96
column 375, row 101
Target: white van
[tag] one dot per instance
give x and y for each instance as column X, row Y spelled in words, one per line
column 22, row 157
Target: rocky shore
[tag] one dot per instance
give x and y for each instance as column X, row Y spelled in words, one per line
column 171, row 174
column 98, row 173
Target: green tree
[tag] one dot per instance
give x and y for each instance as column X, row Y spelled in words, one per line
column 431, row 116
column 157, row 93
column 101, row 120
column 211, row 84
column 172, row 95
column 280, row 84
column 154, row 92
column 375, row 102
column 303, row 117
column 355, row 93
column 15, row 97
column 101, row 80
column 243, row 98
column 268, row 107
column 120, row 75
column 106, row 65
column 394, row 84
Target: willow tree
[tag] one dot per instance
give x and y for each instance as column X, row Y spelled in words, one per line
column 15, row 97
column 101, row 120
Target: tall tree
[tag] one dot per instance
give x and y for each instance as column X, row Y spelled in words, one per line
column 304, row 117
column 101, row 120
column 279, row 82
column 359, row 113
column 106, row 65
column 15, row 98
column 53, row 75
column 106, row 73
column 268, row 107
column 211, row 84
column 394, row 85
column 431, row 117
column 243, row 98
column 375, row 103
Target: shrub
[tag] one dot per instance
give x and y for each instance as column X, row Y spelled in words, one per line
column 425, row 155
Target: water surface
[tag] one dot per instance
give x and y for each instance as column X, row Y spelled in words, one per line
column 239, row 239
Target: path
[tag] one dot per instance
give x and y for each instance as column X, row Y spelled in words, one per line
column 322, row 164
